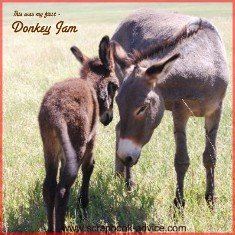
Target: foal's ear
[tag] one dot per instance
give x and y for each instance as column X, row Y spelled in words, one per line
column 78, row 54
column 120, row 56
column 156, row 71
column 105, row 53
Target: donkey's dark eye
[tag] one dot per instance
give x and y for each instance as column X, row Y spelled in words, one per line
column 141, row 110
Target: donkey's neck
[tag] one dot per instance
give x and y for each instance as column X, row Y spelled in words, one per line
column 92, row 79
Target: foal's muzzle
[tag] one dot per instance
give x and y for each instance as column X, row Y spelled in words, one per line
column 106, row 117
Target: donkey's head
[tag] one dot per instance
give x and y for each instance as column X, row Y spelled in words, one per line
column 100, row 71
column 140, row 103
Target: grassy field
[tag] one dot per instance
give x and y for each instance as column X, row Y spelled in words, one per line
column 33, row 62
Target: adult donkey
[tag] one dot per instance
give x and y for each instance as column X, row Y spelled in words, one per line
column 168, row 61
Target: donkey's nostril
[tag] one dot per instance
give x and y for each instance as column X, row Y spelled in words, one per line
column 109, row 116
column 128, row 159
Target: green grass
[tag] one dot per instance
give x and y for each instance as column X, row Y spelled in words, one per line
column 33, row 62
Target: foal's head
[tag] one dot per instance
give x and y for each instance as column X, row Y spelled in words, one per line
column 100, row 71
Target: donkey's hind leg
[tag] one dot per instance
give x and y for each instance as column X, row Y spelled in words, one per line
column 209, row 155
column 87, row 169
column 68, row 174
column 51, row 154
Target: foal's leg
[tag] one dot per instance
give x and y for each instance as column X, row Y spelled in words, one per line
column 180, row 118
column 209, row 155
column 87, row 169
column 49, row 188
column 67, row 178
column 119, row 166
column 51, row 149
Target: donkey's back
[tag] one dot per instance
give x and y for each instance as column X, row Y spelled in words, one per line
column 69, row 102
column 201, row 73
column 146, row 26
column 196, row 39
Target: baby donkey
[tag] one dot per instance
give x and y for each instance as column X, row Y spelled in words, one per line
column 67, row 120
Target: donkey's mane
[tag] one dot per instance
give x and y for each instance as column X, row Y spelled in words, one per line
column 186, row 32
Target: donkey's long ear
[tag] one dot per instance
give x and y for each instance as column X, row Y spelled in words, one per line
column 120, row 56
column 156, row 71
column 105, row 53
column 78, row 54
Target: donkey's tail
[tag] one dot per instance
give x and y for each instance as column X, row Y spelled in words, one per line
column 63, row 134
column 72, row 163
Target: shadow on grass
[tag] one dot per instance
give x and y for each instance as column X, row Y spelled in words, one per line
column 109, row 205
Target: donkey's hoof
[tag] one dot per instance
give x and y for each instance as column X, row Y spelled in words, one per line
column 210, row 200
column 119, row 174
column 179, row 204
column 178, row 211
column 82, row 211
column 83, row 215
column 130, row 185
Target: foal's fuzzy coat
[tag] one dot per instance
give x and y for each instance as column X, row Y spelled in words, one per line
column 67, row 119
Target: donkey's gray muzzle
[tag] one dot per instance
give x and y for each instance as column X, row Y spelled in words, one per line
column 128, row 151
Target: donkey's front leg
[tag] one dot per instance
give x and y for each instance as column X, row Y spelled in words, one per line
column 120, row 169
column 209, row 155
column 180, row 118
column 130, row 184
column 119, row 166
